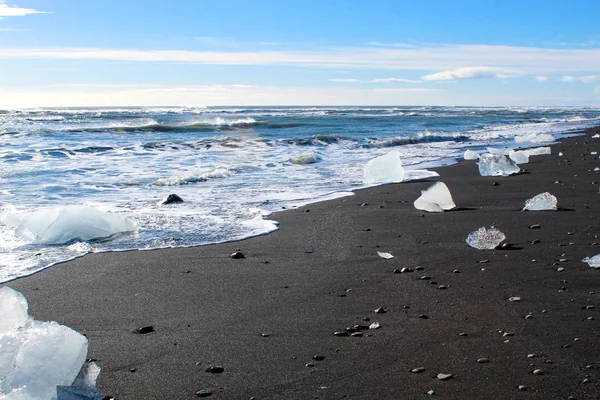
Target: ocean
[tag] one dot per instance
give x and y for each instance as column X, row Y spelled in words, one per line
column 231, row 166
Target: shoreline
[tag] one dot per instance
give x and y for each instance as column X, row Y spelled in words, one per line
column 265, row 316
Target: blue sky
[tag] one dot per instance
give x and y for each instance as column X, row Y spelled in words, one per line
column 130, row 52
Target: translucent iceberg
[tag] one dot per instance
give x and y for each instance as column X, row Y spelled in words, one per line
column 535, row 138
column 64, row 224
column 519, row 157
column 485, row 239
column 541, row 202
column 303, row 159
column 496, row 165
column 436, row 198
column 471, row 155
column 36, row 356
column 384, row 169
column 593, row 262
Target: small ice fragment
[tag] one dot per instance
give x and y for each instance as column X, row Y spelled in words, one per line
column 514, row 298
column 436, row 198
column 387, row 256
column 539, row 151
column 483, row 239
column 593, row 262
column 519, row 157
column 384, row 169
column 471, row 155
column 13, row 308
column 303, row 159
column 541, row 202
column 374, row 325
column 596, row 136
column 594, row 153
column 535, row 138
column 496, row 165
column 560, row 153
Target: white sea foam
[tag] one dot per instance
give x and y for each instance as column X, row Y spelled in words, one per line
column 195, row 177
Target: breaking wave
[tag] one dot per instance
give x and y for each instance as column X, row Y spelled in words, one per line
column 422, row 138
column 195, row 177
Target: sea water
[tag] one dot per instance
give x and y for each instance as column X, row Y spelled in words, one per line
column 231, row 166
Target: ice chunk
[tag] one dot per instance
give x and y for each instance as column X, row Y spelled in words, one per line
column 471, row 155
column 503, row 152
column 483, row 239
column 541, row 202
column 37, row 356
column 436, row 198
column 13, row 308
column 384, row 169
column 596, row 136
column 64, row 224
column 539, row 151
column 519, row 157
column 496, row 165
column 303, row 159
column 593, row 262
column 535, row 138
column 387, row 256
column 84, row 387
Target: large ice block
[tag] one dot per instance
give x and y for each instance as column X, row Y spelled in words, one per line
column 593, row 262
column 384, row 169
column 496, row 165
column 37, row 356
column 436, row 198
column 60, row 225
column 13, row 310
column 519, row 157
column 471, row 155
column 541, row 202
column 485, row 239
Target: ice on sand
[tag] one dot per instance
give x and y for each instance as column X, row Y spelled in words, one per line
column 84, row 387
column 60, row 225
column 593, row 262
column 387, row 256
column 436, row 198
column 384, row 169
column 36, row 356
column 471, row 155
column 496, row 165
column 539, row 151
column 541, row 202
column 485, row 239
column 519, row 157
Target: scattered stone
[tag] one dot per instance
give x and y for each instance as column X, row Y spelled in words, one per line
column 310, row 365
column 507, row 334
column 406, row 269
column 132, row 369
column 425, row 278
column 514, row 298
column 586, row 380
column 341, row 333
column 495, row 184
column 237, row 255
column 318, row 357
column 356, row 334
column 423, row 316
column 375, row 325
column 535, row 226
column 483, row 360
column 143, row 330
column 456, row 271
column 418, row 370
column 203, row 393
column 522, row 388
column 419, row 268
column 483, row 261
column 531, row 355
column 444, row 377
column 538, row 372
column 443, row 287
column 380, row 310
column 431, row 392
column 560, row 269
column 535, row 241
column 463, row 334
column 396, row 271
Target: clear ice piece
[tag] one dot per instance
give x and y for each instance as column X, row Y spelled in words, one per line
column 309, row 158
column 38, row 356
column 541, row 202
column 471, row 155
column 384, row 169
column 13, row 309
column 436, row 198
column 519, row 157
column 539, row 151
column 593, row 262
column 485, row 239
column 496, row 165
column 387, row 256
column 60, row 225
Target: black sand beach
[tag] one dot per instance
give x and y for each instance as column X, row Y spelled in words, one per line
column 265, row 316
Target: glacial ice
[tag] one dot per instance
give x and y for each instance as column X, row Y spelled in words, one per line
column 309, row 158
column 539, row 151
column 496, row 165
column 471, row 155
column 84, row 387
column 593, row 262
column 535, row 138
column 387, row 256
column 36, row 356
column 519, row 157
column 541, row 202
column 503, row 152
column 60, row 225
column 436, row 198
column 384, row 169
column 485, row 239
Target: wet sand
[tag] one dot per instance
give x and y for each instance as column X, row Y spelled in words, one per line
column 265, row 316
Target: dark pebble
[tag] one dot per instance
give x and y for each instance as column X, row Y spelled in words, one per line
column 203, row 393
column 341, row 333
column 132, row 369
column 425, row 278
column 419, row 268
column 318, row 357
column 535, row 226
column 423, row 316
column 143, row 330
column 380, row 310
column 495, row 184
column 237, row 255
column 396, row 271
column 215, row 369
column 172, row 199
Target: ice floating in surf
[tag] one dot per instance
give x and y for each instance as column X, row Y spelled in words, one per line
column 436, row 198
column 65, row 224
column 471, row 155
column 593, row 262
column 496, row 165
column 36, row 356
column 541, row 202
column 303, row 159
column 195, row 177
column 384, row 169
column 535, row 138
column 485, row 239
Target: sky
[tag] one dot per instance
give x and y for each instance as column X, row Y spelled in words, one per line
column 61, row 53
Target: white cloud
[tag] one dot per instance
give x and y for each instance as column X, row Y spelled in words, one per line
column 8, row 11
column 542, row 78
column 473, row 73
column 394, row 80
column 345, row 80
column 495, row 61
column 583, row 79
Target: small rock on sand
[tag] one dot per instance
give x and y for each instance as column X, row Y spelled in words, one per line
column 444, row 377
